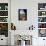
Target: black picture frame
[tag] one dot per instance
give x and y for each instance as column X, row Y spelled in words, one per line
column 22, row 14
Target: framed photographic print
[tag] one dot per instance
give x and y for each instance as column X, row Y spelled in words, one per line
column 22, row 14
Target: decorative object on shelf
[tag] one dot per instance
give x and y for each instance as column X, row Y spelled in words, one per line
column 4, row 26
column 22, row 14
column 40, row 25
column 41, row 19
column 41, row 6
column 4, row 29
column 6, row 7
column 13, row 27
column 42, row 32
column 41, row 13
column 3, row 19
column 3, row 6
column 31, row 27
column 3, row 13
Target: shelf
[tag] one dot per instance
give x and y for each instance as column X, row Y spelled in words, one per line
column 42, row 37
column 3, row 22
column 42, row 16
column 3, row 10
column 41, row 10
column 41, row 28
column 3, row 16
column 41, row 22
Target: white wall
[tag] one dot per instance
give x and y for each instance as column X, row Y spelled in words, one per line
column 31, row 7
column 32, row 14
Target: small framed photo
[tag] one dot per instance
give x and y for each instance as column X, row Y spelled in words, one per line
column 22, row 14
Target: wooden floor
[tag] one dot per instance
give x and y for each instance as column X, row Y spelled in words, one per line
column 3, row 45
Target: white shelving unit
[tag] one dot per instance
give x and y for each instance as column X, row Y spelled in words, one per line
column 4, row 23
column 42, row 18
